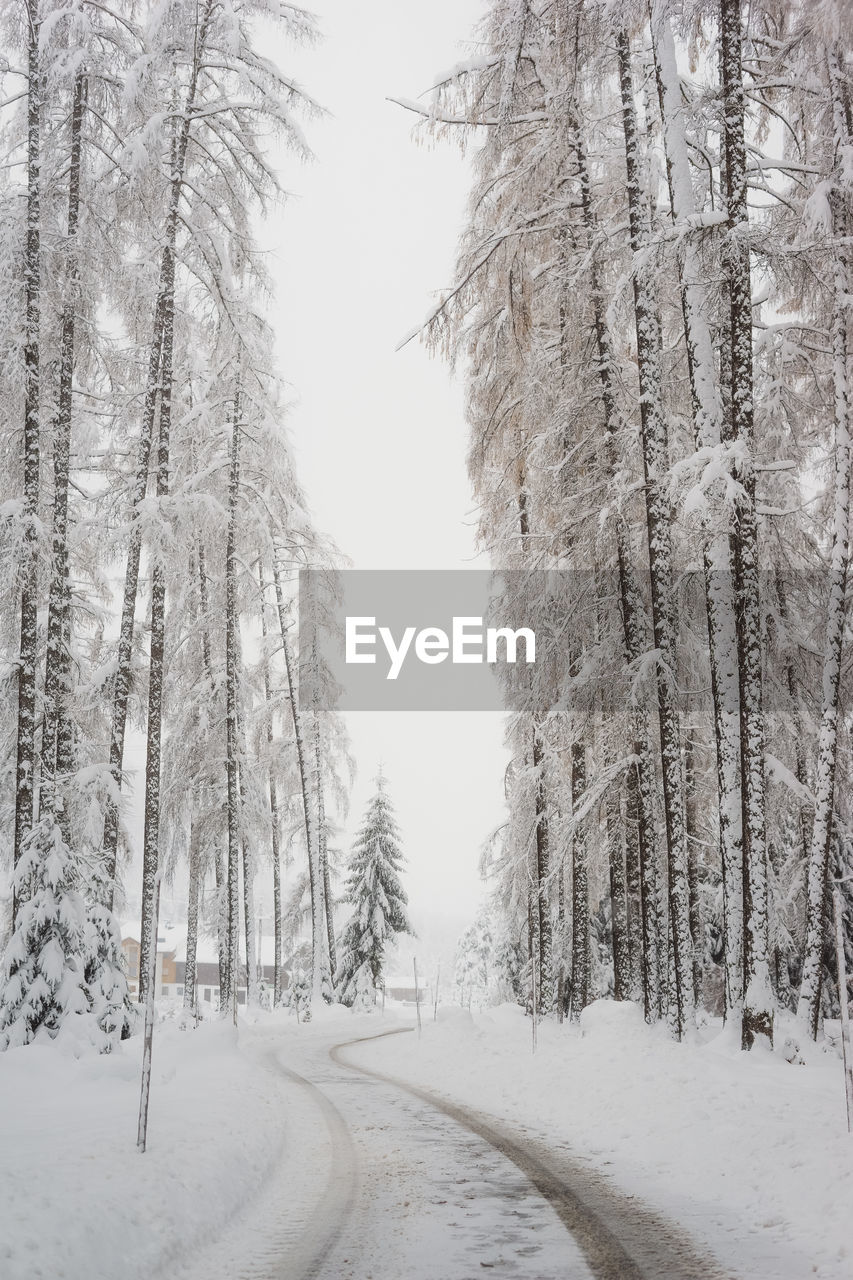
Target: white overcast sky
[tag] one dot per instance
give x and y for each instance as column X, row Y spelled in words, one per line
column 360, row 251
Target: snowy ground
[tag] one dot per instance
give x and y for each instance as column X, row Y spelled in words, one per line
column 269, row 1156
column 750, row 1155
column 78, row 1202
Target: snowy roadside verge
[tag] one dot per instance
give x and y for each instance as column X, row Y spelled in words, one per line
column 77, row 1199
column 749, row 1155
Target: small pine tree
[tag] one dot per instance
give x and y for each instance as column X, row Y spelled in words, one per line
column 374, row 888
column 63, row 971
column 43, row 977
column 111, row 1006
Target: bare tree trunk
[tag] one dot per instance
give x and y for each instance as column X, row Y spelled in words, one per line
column 561, row 990
column 207, row 658
column 249, row 921
column 658, row 519
column 641, row 788
column 805, row 814
column 709, row 429
column 124, row 656
column 317, row 949
column 192, row 919
column 273, row 794
column 155, row 384
column 545, row 973
column 808, row 1008
column 580, row 892
column 618, row 900
column 157, row 658
column 532, row 933
column 544, row 976
column 322, row 836
column 26, row 747
column 633, row 885
column 691, row 811
column 249, row 926
column 57, row 759
column 757, row 994
column 221, row 924
column 782, row 954
column 232, row 731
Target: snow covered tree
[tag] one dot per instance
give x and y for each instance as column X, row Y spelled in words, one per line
column 643, row 417
column 476, row 966
column 140, row 148
column 375, row 891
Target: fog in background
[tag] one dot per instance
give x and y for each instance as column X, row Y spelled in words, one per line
column 359, row 253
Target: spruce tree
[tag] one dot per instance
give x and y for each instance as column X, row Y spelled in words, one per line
column 376, row 893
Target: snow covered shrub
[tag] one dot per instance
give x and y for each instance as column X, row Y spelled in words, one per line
column 43, row 972
column 113, row 1010
column 62, row 972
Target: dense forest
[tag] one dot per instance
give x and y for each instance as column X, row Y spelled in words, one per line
column 652, row 312
column 152, row 521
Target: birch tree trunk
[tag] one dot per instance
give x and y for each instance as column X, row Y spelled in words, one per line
column 618, row 900
column 708, row 420
column 219, row 878
column 124, row 656
column 273, row 796
column 633, row 620
column 157, row 658
column 192, row 919
column 808, row 1008
column 545, row 967
column 57, row 759
column 155, row 384
column 805, row 815
column 580, row 892
column 757, row 990
column 232, row 726
column 658, row 518
column 249, row 927
column 26, row 754
column 322, row 836
column 544, row 940
column 691, row 813
column 317, row 949
column 640, row 923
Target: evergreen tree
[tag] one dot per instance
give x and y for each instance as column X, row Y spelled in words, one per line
column 379, row 900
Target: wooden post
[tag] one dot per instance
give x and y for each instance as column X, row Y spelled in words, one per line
column 417, row 995
column 260, row 967
column 435, row 1005
column 845, row 1008
column 534, row 993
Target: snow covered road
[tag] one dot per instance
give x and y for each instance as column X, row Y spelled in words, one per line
column 382, row 1182
column 333, row 1150
column 377, row 1185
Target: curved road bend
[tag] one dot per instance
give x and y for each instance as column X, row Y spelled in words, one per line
column 381, row 1180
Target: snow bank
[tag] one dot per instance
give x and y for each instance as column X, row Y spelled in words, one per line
column 76, row 1197
column 748, row 1152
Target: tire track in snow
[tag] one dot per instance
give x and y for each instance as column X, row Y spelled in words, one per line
column 621, row 1238
column 288, row 1230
